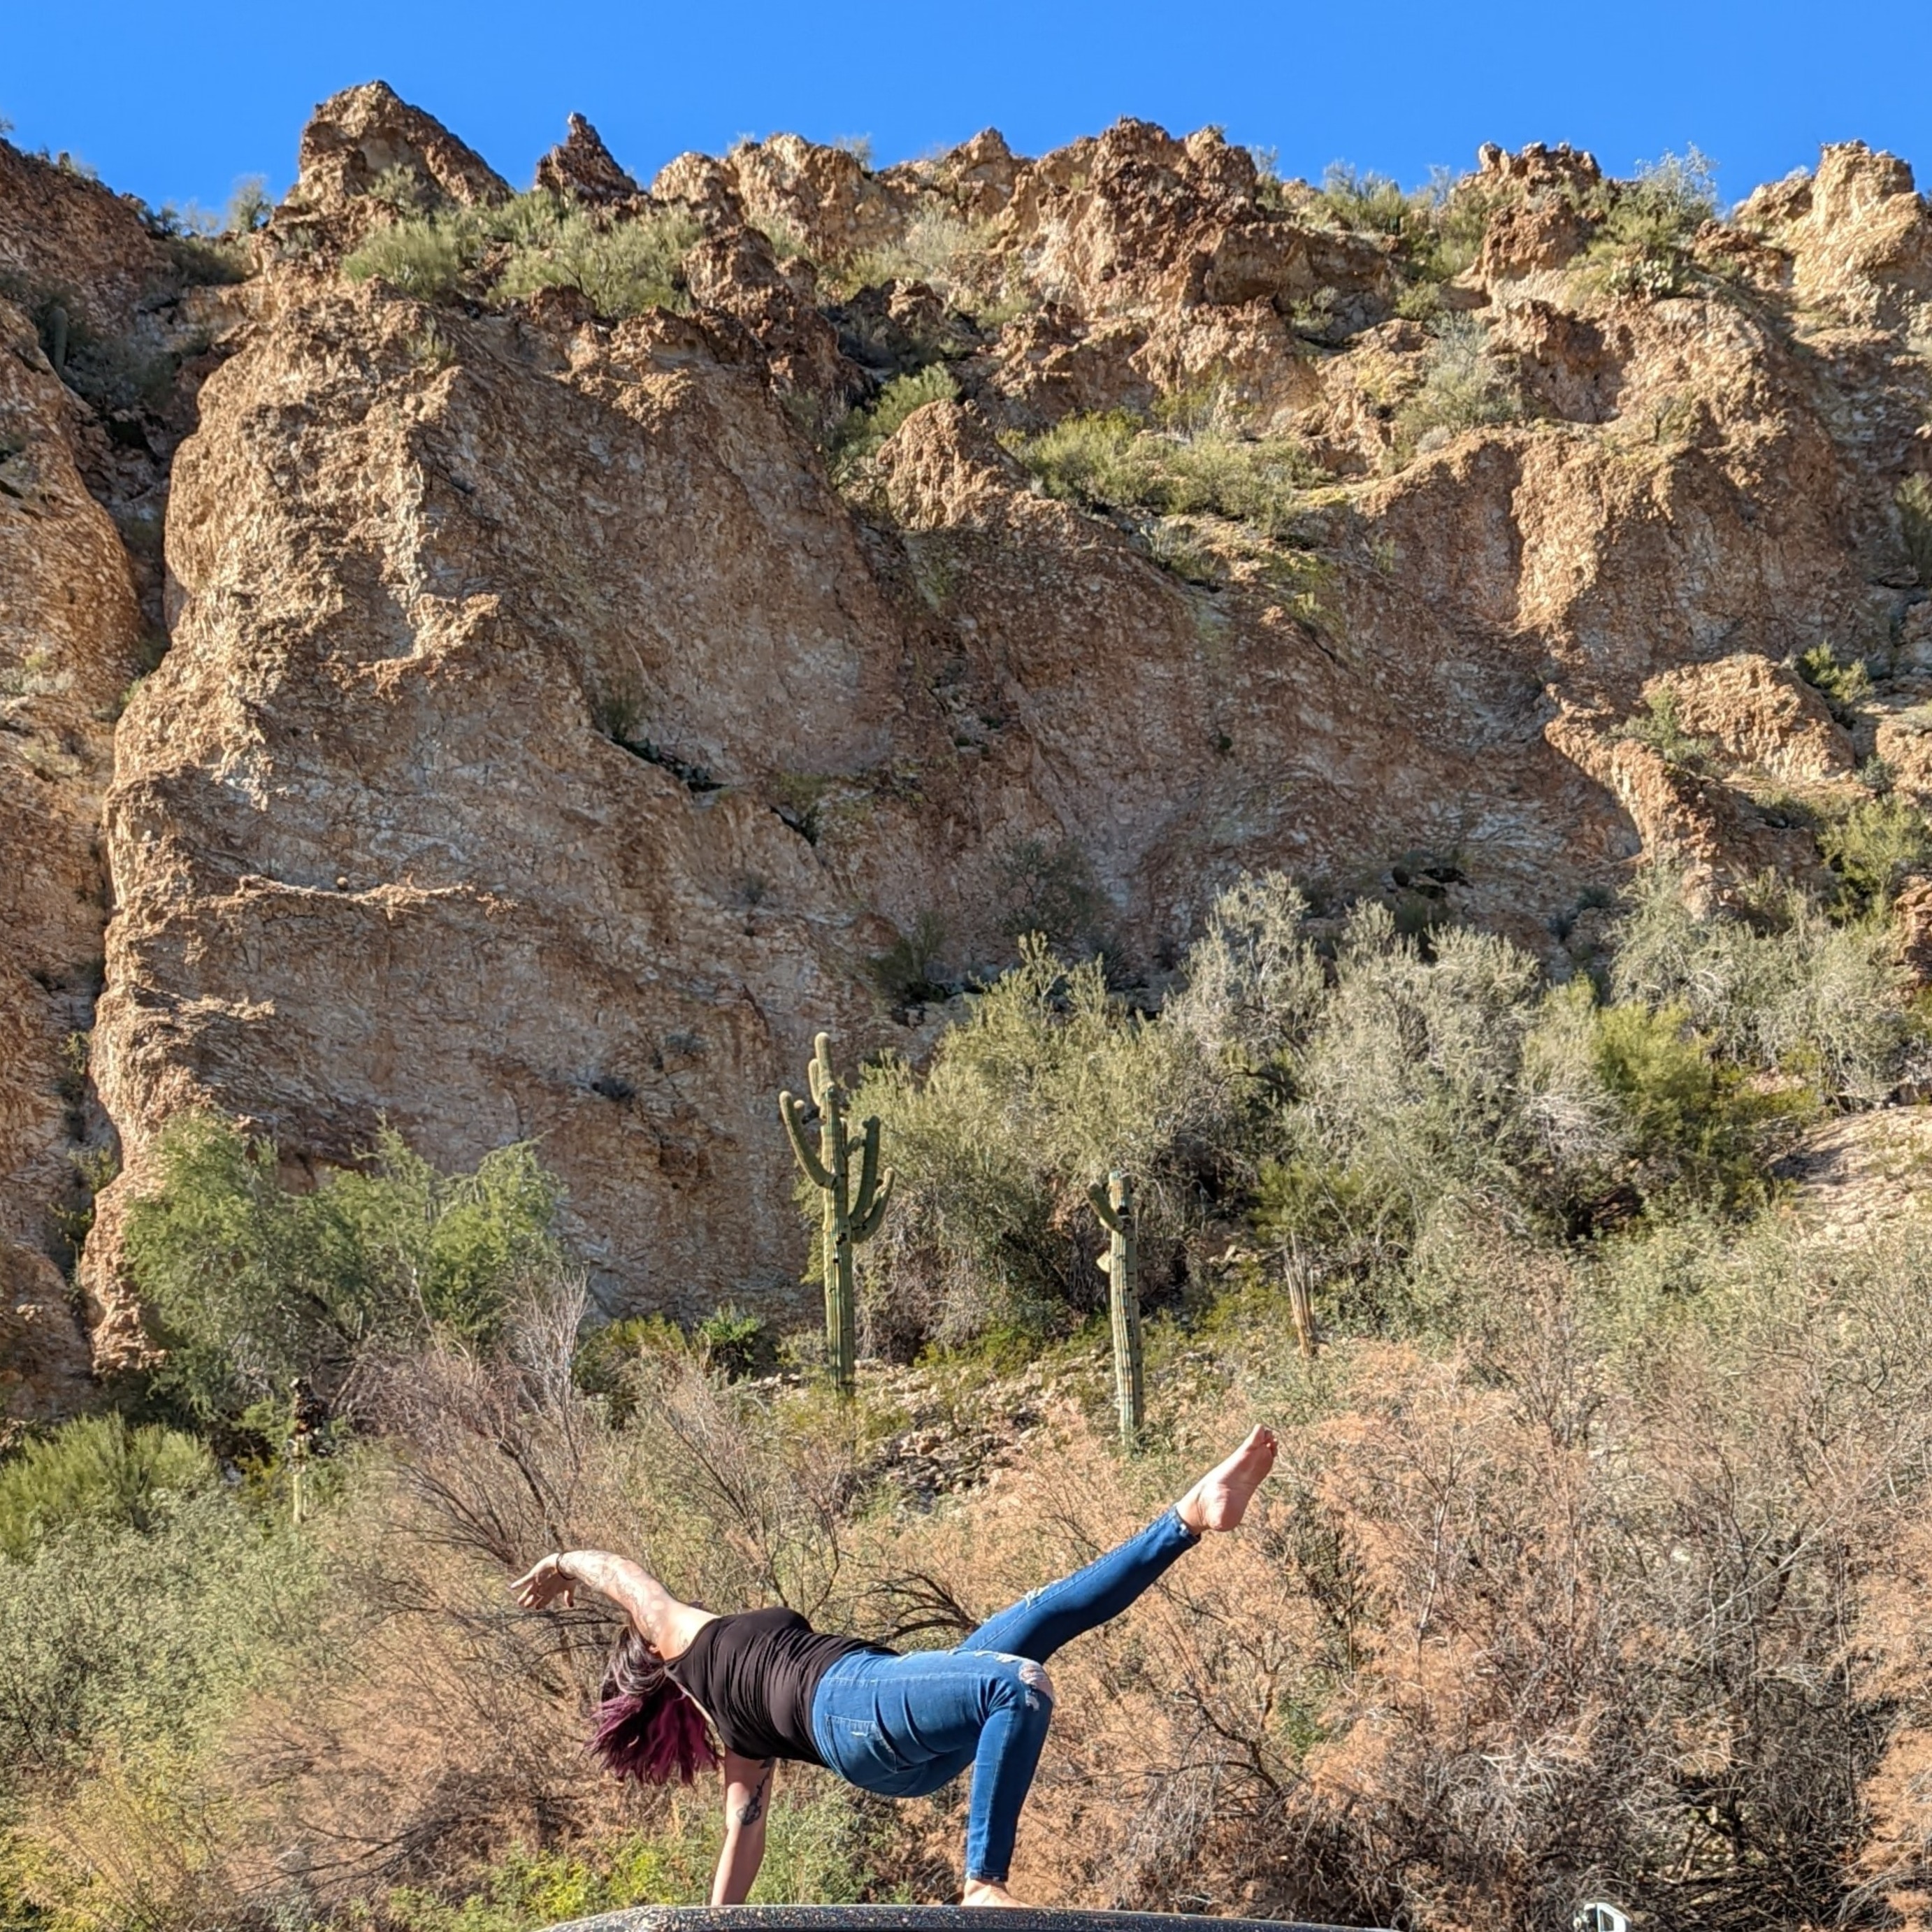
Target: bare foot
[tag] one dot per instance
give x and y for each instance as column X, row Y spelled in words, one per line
column 984, row 1892
column 1220, row 1499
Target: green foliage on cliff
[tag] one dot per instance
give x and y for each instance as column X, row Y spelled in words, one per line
column 254, row 1286
column 621, row 265
column 1199, row 460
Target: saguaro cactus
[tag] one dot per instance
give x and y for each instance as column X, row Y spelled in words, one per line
column 854, row 1205
column 1115, row 1204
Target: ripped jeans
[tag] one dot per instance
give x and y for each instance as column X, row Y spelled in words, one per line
column 902, row 1726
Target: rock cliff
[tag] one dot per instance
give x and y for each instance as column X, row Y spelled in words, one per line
column 569, row 703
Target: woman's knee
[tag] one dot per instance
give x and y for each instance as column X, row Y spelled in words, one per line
column 1018, row 1683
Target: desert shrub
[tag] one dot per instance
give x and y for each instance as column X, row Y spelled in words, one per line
column 1692, row 1123
column 1844, row 685
column 950, row 255
column 1641, row 247
column 97, row 1470
column 622, row 268
column 865, row 430
column 815, row 1849
column 1048, row 887
column 1426, row 1085
column 1362, row 199
column 1873, row 848
column 1202, row 464
column 117, row 1640
column 1793, row 992
column 425, row 256
column 249, row 207
column 1657, row 723
column 254, row 1286
column 730, row 1339
column 1047, row 1084
column 908, row 973
column 1463, row 387
column 1914, row 499
column 1253, row 980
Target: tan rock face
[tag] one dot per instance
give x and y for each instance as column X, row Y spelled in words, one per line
column 825, row 196
column 63, row 233
column 547, row 746
column 356, row 136
column 69, row 634
column 1860, row 234
column 1136, row 219
column 583, row 168
column 1759, row 713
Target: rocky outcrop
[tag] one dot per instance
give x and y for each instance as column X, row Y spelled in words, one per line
column 825, row 198
column 1758, row 713
column 70, row 638
column 64, row 237
column 583, row 168
column 1858, row 233
column 357, row 137
column 563, row 715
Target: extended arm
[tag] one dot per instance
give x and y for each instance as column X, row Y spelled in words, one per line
column 651, row 1608
column 748, row 1782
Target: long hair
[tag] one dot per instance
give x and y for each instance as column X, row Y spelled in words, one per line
column 646, row 1727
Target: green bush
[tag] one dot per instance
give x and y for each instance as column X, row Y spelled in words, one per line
column 1656, row 722
column 425, row 256
column 1790, row 991
column 1047, row 1083
column 252, row 1286
column 817, row 1847
column 1694, row 1124
column 1641, row 247
column 620, row 270
column 1914, row 522
column 112, row 1637
column 730, row 1339
column 97, row 1470
column 908, row 972
column 1873, row 848
column 1049, row 890
column 1844, row 685
column 864, row 430
column 1463, row 388
column 621, row 266
column 1112, row 460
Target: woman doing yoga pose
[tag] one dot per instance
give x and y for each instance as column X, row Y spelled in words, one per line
column 767, row 1685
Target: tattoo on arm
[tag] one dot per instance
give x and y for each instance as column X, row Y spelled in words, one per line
column 753, row 1808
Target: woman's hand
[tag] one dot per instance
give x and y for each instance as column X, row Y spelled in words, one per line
column 545, row 1583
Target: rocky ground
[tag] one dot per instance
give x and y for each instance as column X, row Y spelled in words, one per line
column 539, row 720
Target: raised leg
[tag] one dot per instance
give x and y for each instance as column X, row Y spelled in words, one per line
column 1039, row 1623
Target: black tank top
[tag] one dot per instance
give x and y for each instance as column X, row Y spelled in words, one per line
column 754, row 1676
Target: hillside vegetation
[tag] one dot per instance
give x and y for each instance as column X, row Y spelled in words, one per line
column 1590, row 1564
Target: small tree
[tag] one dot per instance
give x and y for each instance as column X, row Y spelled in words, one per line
column 253, row 1287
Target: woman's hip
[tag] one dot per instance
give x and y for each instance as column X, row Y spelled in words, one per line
column 902, row 1726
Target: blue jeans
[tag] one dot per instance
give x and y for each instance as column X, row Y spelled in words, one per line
column 902, row 1726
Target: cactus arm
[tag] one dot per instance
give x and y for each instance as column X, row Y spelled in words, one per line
column 791, row 1111
column 866, row 1226
column 1102, row 1206
column 821, row 1067
column 868, row 1169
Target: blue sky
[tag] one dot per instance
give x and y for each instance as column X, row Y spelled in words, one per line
column 174, row 104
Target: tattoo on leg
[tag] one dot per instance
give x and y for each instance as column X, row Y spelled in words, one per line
column 753, row 1808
